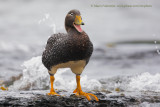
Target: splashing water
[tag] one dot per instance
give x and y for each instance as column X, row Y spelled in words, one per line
column 48, row 20
column 35, row 76
column 145, row 82
column 156, row 46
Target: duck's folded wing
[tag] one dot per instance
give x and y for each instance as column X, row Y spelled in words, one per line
column 51, row 46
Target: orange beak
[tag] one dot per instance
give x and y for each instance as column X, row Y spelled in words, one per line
column 78, row 20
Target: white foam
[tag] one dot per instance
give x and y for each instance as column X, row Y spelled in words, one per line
column 140, row 82
column 34, row 75
column 145, row 82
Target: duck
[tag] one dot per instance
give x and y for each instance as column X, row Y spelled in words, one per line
column 69, row 50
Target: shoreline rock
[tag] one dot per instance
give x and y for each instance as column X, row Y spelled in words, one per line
column 40, row 99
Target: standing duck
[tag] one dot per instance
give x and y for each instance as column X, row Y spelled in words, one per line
column 72, row 50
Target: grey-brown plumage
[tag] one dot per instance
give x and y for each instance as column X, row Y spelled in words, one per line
column 72, row 46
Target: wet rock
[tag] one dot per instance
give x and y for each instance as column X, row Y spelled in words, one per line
column 40, row 99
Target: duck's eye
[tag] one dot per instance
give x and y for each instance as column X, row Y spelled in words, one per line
column 71, row 14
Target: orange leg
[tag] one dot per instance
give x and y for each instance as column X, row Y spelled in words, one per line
column 52, row 91
column 78, row 91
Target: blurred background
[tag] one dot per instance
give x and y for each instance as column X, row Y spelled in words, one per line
column 126, row 42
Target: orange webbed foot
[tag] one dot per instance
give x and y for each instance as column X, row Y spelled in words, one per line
column 53, row 93
column 78, row 91
column 89, row 96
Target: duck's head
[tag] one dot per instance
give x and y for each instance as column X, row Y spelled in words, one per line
column 73, row 20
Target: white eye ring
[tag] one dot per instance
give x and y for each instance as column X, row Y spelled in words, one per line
column 71, row 14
